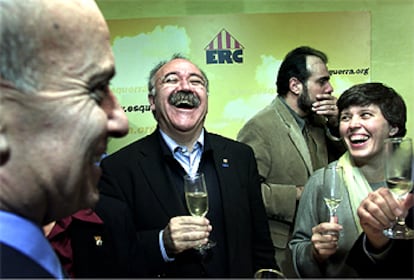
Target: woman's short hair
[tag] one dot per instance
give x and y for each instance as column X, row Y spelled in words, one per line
column 391, row 104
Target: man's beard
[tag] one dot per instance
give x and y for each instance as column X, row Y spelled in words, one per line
column 304, row 102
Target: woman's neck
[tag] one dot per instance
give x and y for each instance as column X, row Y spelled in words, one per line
column 374, row 173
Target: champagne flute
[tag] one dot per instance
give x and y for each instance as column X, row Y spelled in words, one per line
column 196, row 197
column 333, row 190
column 398, row 174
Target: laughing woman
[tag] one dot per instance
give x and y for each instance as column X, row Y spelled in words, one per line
column 368, row 114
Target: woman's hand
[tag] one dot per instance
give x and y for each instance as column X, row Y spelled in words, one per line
column 325, row 240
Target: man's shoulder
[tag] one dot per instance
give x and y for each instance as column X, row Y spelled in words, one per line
column 214, row 137
column 217, row 139
column 272, row 121
column 15, row 264
column 271, row 114
column 266, row 111
column 135, row 146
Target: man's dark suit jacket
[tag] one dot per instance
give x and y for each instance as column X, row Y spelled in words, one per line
column 397, row 263
column 107, row 250
column 14, row 264
column 138, row 174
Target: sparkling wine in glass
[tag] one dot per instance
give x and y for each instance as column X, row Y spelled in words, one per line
column 196, row 197
column 333, row 190
column 398, row 174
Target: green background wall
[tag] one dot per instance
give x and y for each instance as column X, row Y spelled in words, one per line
column 392, row 38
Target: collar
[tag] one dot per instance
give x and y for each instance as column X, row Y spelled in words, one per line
column 300, row 121
column 85, row 215
column 28, row 238
column 173, row 146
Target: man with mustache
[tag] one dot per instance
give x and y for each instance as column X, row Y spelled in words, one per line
column 148, row 176
column 291, row 139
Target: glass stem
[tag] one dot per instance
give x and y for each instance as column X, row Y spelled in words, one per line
column 333, row 217
column 401, row 221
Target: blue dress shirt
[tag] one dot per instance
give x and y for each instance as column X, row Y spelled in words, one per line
column 189, row 161
column 28, row 238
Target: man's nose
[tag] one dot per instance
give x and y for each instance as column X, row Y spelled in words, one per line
column 117, row 120
column 329, row 88
column 184, row 85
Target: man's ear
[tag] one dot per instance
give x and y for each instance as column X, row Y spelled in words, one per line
column 151, row 101
column 393, row 131
column 4, row 146
column 295, row 85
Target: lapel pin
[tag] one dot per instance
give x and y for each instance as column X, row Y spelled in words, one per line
column 98, row 240
column 225, row 162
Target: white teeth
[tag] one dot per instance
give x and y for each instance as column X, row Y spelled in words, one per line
column 358, row 138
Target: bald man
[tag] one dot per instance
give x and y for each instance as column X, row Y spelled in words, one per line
column 56, row 114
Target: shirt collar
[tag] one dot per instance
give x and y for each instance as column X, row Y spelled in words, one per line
column 85, row 215
column 300, row 121
column 28, row 238
column 173, row 146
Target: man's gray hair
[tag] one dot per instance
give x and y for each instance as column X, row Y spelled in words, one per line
column 151, row 79
column 20, row 62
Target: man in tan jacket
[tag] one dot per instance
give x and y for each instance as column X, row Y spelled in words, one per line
column 291, row 138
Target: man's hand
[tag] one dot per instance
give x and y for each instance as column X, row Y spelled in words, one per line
column 185, row 232
column 326, row 106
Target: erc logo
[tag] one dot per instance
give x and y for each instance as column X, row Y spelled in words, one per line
column 223, row 49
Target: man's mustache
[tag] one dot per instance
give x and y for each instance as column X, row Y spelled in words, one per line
column 184, row 99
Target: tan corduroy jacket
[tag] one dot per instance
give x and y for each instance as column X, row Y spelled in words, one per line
column 283, row 161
